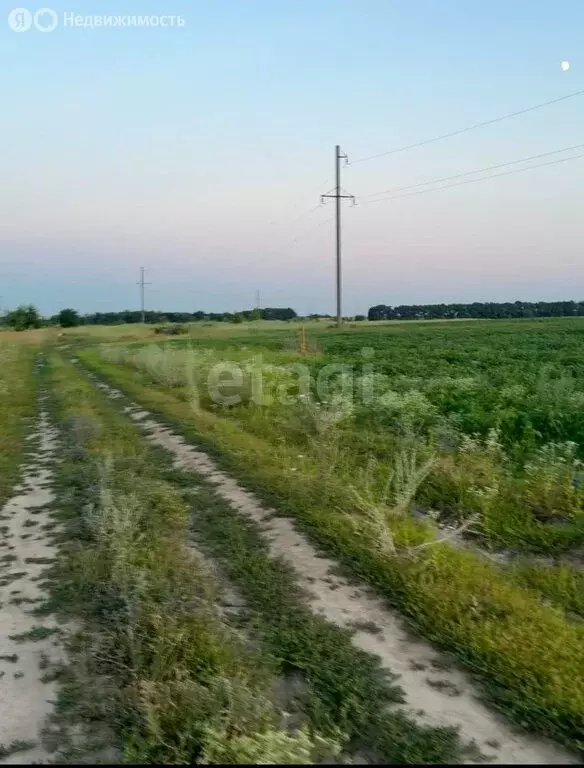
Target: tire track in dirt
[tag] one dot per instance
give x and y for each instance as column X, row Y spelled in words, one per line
column 29, row 646
column 446, row 697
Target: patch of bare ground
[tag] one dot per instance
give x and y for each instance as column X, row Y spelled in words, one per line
column 28, row 644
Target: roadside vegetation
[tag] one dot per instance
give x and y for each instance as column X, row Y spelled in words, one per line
column 17, row 409
column 471, row 442
column 155, row 663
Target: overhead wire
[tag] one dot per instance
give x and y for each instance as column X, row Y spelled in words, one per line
column 473, row 181
column 414, row 189
column 307, row 232
column 472, row 173
column 310, row 210
column 473, row 127
column 304, row 215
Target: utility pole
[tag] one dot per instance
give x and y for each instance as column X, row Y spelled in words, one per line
column 141, row 283
column 258, row 306
column 338, row 196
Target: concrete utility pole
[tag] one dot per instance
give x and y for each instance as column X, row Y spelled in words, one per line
column 141, row 283
column 338, row 196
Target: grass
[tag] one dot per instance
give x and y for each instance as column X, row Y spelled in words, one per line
column 444, row 686
column 525, row 652
column 132, row 332
column 347, row 688
column 10, row 577
column 153, row 663
column 22, row 600
column 178, row 675
column 15, row 747
column 17, row 408
column 561, row 585
column 34, row 635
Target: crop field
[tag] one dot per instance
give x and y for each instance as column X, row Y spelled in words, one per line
column 288, row 544
column 494, row 412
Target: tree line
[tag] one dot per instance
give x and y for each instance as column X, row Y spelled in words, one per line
column 26, row 317
column 479, row 310
column 129, row 316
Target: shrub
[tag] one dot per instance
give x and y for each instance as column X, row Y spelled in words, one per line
column 24, row 318
column 171, row 330
column 68, row 318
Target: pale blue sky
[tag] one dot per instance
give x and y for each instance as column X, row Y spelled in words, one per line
column 191, row 151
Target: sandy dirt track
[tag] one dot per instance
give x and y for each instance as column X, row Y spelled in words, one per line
column 26, row 550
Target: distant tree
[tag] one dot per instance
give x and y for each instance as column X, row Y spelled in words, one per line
column 163, row 318
column 360, row 317
column 237, row 318
column 68, row 318
column 23, row 318
column 278, row 313
column 478, row 310
column 379, row 312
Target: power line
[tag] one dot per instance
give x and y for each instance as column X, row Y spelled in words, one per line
column 482, row 124
column 307, row 232
column 472, row 181
column 305, row 214
column 300, row 236
column 472, row 173
column 277, row 252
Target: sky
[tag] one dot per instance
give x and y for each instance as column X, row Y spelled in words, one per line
column 200, row 152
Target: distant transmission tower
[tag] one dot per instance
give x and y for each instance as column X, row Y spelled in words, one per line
column 141, row 283
column 338, row 196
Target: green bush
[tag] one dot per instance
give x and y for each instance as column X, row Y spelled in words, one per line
column 24, row 318
column 171, row 330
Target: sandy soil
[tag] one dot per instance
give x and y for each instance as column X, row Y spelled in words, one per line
column 436, row 696
column 25, row 701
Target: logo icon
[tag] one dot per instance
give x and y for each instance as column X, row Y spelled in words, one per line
column 20, row 20
column 45, row 20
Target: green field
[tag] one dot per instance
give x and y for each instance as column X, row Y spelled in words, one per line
column 440, row 464
column 471, row 432
column 498, row 406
